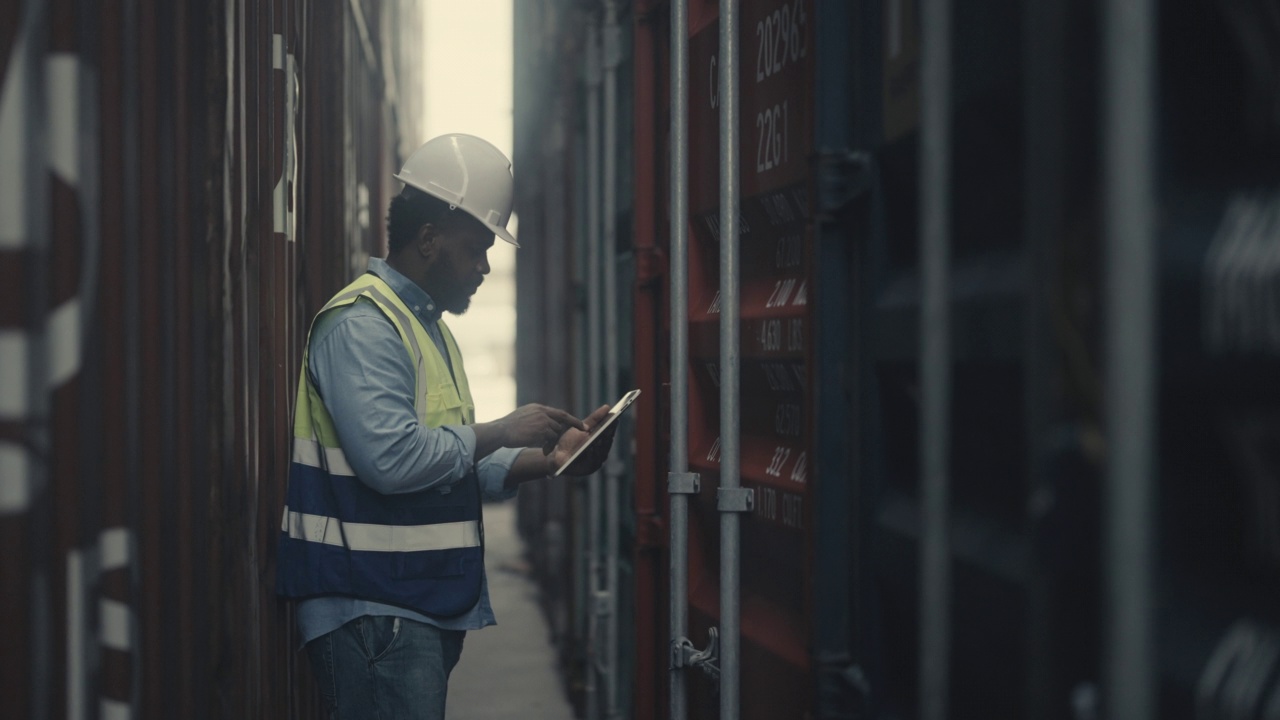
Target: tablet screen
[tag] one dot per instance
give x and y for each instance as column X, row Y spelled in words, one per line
column 618, row 408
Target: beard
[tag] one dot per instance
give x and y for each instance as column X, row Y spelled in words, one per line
column 458, row 303
column 458, row 307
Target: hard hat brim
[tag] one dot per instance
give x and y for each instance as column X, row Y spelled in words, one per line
column 502, row 233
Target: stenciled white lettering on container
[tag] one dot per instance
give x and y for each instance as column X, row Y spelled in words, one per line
column 793, row 511
column 771, row 335
column 802, row 295
column 767, row 502
column 782, row 290
column 713, row 225
column 787, row 420
column 780, row 456
column 773, row 146
column 778, row 377
column 795, row 335
column 800, row 471
column 790, row 252
column 1238, row 679
column 780, row 39
column 792, row 505
column 1241, row 297
column 778, row 208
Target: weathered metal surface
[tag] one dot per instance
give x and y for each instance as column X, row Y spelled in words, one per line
column 776, row 83
column 550, row 173
column 833, row 631
column 186, row 192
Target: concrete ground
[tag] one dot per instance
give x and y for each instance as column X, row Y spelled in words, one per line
column 509, row 670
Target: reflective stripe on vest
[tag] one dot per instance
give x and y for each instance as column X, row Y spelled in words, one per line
column 309, row 452
column 380, row 538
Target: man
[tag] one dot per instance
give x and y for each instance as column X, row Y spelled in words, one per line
column 382, row 540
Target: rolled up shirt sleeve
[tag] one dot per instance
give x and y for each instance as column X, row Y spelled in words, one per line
column 361, row 370
column 493, row 470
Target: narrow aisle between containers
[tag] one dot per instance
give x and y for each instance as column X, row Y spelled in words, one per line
column 508, row 671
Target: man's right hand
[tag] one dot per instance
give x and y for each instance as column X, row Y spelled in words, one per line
column 530, row 425
column 537, row 425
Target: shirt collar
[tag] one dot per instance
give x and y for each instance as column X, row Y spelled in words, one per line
column 414, row 296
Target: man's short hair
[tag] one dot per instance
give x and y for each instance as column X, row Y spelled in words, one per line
column 412, row 209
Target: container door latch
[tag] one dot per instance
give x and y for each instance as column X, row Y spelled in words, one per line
column 684, row 654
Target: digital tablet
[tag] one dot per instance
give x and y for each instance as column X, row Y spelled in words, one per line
column 614, row 412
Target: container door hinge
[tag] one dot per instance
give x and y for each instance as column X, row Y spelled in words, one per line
column 683, row 483
column 737, row 499
column 685, row 655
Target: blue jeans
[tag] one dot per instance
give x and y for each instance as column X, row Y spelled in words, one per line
column 379, row 667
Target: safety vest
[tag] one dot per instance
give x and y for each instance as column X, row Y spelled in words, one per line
column 422, row 550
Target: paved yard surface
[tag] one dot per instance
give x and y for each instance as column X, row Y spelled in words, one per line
column 508, row 671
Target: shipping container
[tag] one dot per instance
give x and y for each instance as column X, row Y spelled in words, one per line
column 1006, row 131
column 183, row 185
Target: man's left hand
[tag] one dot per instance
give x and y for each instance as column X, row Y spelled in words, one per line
column 594, row 456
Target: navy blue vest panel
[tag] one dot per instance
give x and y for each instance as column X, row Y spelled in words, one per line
column 329, row 550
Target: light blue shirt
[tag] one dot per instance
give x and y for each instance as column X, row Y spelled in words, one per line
column 361, row 370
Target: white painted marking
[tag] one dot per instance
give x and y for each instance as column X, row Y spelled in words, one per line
column 15, row 479
column 13, row 201
column 64, row 343
column 1241, row 308
column 14, row 376
column 116, row 548
column 115, row 710
column 62, row 85
column 76, row 681
column 116, row 625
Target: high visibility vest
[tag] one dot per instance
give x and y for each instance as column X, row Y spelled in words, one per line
column 422, row 550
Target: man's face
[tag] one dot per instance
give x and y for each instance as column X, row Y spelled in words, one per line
column 459, row 265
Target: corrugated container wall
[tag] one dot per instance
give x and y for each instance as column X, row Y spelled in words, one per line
column 561, row 336
column 838, row 192
column 182, row 184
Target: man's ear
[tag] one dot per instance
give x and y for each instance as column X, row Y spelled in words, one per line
column 427, row 240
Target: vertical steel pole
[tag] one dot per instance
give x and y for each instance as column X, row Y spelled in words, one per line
column 1044, row 75
column 593, row 359
column 679, row 562
column 613, row 468
column 729, row 350
column 1130, row 383
column 935, row 361
column 25, row 143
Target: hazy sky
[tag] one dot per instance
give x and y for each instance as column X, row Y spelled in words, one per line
column 468, row 50
column 468, row 75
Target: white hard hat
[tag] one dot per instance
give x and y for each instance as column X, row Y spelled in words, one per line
column 466, row 172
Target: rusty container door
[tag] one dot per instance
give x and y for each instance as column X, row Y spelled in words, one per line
column 651, row 352
column 776, row 84
column 164, row 240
